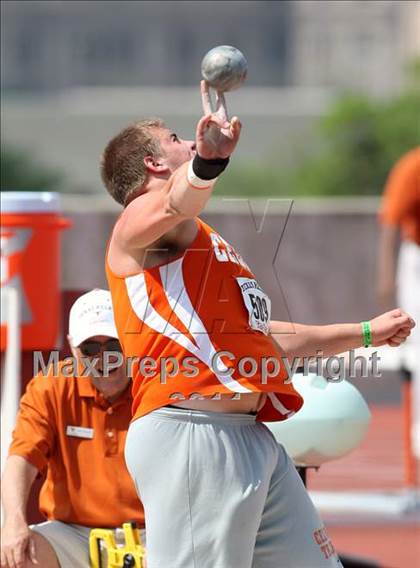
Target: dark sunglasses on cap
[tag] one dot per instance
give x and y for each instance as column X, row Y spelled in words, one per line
column 91, row 348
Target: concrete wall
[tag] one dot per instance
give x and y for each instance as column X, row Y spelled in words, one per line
column 324, row 270
column 68, row 131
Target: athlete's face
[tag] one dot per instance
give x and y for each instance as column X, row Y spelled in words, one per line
column 175, row 150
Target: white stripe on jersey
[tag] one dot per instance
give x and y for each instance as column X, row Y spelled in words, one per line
column 181, row 304
column 140, row 302
column 279, row 406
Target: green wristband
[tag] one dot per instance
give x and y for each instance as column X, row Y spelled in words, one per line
column 367, row 333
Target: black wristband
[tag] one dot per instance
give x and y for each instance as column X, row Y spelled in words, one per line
column 208, row 169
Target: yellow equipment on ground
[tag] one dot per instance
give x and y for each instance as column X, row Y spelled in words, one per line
column 129, row 555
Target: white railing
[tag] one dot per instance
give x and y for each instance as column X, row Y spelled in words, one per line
column 11, row 380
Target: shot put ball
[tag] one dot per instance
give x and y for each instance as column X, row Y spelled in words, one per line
column 224, row 68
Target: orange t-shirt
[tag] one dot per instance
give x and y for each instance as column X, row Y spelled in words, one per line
column 401, row 200
column 65, row 425
column 204, row 318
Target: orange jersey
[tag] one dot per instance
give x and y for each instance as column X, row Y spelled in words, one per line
column 66, row 427
column 401, row 200
column 198, row 326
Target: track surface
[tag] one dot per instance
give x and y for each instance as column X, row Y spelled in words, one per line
column 376, row 465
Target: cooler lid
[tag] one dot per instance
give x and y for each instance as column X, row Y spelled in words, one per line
column 30, row 202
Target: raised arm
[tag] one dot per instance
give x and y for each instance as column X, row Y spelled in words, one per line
column 184, row 195
column 298, row 340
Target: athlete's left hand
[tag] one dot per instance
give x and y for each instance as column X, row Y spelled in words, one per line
column 391, row 328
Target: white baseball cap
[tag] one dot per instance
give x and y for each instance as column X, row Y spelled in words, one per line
column 91, row 315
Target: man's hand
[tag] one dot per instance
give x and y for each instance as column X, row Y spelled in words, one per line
column 17, row 544
column 391, row 328
column 216, row 136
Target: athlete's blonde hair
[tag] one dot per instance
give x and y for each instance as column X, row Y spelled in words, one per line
column 122, row 163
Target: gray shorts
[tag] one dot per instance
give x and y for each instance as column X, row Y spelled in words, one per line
column 71, row 542
column 219, row 492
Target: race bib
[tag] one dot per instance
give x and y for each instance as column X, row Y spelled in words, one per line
column 257, row 303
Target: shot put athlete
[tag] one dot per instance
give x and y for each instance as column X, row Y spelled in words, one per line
column 217, row 490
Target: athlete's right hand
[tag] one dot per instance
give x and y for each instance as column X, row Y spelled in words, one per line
column 216, row 136
column 17, row 544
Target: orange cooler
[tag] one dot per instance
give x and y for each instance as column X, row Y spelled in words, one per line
column 31, row 223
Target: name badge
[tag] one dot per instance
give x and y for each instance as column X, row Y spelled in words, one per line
column 257, row 303
column 79, row 432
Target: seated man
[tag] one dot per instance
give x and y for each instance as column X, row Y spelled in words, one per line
column 72, row 423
